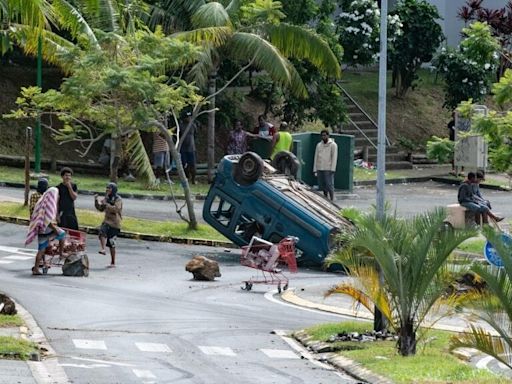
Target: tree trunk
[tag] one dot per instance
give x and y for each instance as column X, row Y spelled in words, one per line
column 116, row 151
column 212, row 88
column 407, row 340
column 192, row 224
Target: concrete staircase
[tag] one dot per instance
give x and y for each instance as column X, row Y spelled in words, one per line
column 365, row 133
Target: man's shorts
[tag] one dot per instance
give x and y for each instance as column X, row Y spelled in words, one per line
column 161, row 160
column 188, row 158
column 43, row 239
column 110, row 233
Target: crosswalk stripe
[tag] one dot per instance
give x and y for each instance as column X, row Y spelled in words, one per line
column 153, row 347
column 280, row 353
column 89, row 344
column 224, row 351
column 143, row 374
column 6, row 261
column 17, row 250
column 18, row 257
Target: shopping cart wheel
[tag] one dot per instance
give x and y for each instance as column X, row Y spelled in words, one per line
column 285, row 287
column 279, row 288
column 45, row 270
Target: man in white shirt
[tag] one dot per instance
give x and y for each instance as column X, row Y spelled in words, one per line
column 324, row 166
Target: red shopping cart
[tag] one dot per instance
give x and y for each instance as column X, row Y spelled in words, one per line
column 267, row 258
column 74, row 243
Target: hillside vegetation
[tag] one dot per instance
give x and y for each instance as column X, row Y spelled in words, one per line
column 417, row 116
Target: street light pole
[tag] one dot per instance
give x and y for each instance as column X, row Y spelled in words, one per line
column 37, row 135
column 379, row 322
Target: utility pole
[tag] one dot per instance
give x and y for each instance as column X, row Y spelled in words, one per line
column 37, row 135
column 379, row 322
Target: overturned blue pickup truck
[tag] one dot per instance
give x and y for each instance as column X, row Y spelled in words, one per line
column 248, row 197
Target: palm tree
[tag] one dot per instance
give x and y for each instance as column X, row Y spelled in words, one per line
column 494, row 307
column 252, row 36
column 411, row 255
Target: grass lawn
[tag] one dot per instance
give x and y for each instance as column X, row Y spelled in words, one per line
column 130, row 224
column 12, row 347
column 431, row 364
column 10, row 321
column 97, row 183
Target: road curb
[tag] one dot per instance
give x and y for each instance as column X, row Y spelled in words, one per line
column 48, row 370
column 138, row 236
column 353, row 368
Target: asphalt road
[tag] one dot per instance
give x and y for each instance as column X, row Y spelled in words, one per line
column 406, row 199
column 147, row 321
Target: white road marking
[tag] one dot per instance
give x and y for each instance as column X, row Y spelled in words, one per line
column 102, row 361
column 86, row 366
column 153, row 347
column 270, row 297
column 502, row 366
column 482, row 363
column 279, row 353
column 6, row 261
column 143, row 374
column 17, row 250
column 17, row 257
column 224, row 351
column 89, row 344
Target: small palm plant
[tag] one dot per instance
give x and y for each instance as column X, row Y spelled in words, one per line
column 494, row 307
column 411, row 255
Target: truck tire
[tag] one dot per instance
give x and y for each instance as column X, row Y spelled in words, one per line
column 286, row 163
column 249, row 168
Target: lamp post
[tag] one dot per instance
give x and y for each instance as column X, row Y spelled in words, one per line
column 379, row 323
column 37, row 134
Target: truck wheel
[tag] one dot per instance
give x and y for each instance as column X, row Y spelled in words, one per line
column 249, row 168
column 286, row 163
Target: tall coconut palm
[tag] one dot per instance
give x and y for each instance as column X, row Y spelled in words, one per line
column 494, row 307
column 252, row 36
column 411, row 255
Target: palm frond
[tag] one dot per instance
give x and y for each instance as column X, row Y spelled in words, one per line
column 215, row 36
column 139, row 158
column 356, row 294
column 297, row 86
column 202, row 68
column 232, row 8
column 482, row 340
column 37, row 14
column 244, row 47
column 56, row 49
column 298, row 42
column 211, row 15
column 71, row 19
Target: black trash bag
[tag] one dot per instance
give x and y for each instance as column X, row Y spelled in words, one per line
column 76, row 265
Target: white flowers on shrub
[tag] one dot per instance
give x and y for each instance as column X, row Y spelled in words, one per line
column 359, row 29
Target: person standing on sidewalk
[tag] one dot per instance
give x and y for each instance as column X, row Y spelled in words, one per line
column 282, row 140
column 67, row 196
column 324, row 166
column 188, row 149
column 112, row 205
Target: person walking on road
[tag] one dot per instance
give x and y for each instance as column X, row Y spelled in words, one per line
column 324, row 166
column 67, row 196
column 42, row 186
column 112, row 205
column 43, row 225
column 282, row 140
column 188, row 149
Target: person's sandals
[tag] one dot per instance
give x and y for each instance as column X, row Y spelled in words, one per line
column 36, row 271
column 498, row 219
column 111, row 266
column 102, row 252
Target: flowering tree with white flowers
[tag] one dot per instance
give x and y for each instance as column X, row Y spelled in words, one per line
column 358, row 28
column 468, row 71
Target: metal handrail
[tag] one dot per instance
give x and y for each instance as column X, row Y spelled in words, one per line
column 362, row 111
column 362, row 132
